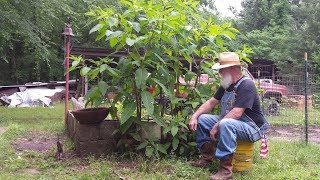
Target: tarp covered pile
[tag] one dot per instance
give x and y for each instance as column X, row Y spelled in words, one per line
column 32, row 97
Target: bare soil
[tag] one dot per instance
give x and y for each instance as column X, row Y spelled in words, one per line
column 42, row 143
column 35, row 142
column 2, row 130
column 295, row 133
column 32, row 171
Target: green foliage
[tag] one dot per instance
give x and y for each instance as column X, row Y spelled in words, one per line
column 98, row 72
column 281, row 31
column 31, row 40
column 258, row 15
column 157, row 35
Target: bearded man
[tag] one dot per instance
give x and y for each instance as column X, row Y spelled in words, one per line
column 241, row 117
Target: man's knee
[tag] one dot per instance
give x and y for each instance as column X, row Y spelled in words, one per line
column 202, row 120
column 202, row 117
column 226, row 123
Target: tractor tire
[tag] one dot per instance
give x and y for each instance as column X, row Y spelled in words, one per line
column 272, row 108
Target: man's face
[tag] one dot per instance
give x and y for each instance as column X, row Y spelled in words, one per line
column 226, row 78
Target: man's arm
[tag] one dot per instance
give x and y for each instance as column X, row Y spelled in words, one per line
column 204, row 108
column 235, row 113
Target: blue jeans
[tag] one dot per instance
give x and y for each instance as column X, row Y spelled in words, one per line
column 230, row 130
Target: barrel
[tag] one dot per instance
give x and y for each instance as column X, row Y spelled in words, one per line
column 243, row 157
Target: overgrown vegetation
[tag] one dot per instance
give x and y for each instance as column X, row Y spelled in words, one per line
column 286, row 160
column 162, row 40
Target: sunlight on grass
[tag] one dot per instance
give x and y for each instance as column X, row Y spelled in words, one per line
column 35, row 118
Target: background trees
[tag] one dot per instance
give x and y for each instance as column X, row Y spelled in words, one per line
column 281, row 31
column 31, row 44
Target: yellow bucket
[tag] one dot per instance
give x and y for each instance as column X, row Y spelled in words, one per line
column 243, row 157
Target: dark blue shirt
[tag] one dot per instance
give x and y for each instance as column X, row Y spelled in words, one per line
column 246, row 97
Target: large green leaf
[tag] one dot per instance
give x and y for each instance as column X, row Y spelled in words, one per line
column 229, row 34
column 94, row 73
column 92, row 94
column 161, row 148
column 135, row 56
column 113, row 42
column 96, row 28
column 149, row 151
column 165, row 90
column 184, row 137
column 141, row 77
column 175, row 143
column 194, row 144
column 136, row 26
column 111, row 34
column 128, row 110
column 103, row 87
column 142, row 145
column 103, row 67
column 113, row 21
column 148, row 101
column 112, row 71
column 174, row 130
column 159, row 120
column 84, row 71
column 125, row 126
column 160, row 58
column 136, row 136
column 214, row 30
column 130, row 41
column 75, row 63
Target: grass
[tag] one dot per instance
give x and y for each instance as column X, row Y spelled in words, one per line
column 295, row 116
column 286, row 160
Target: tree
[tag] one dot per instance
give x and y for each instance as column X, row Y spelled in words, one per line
column 281, row 31
column 31, row 43
column 157, row 36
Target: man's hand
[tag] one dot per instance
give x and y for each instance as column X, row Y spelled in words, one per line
column 214, row 131
column 193, row 123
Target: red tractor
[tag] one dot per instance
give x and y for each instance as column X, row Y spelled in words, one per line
column 271, row 95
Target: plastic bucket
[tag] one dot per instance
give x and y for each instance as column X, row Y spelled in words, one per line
column 243, row 157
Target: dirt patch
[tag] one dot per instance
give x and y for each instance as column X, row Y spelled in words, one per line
column 127, row 165
column 295, row 132
column 30, row 171
column 35, row 142
column 2, row 130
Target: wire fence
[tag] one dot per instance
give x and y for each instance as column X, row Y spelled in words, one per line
column 284, row 100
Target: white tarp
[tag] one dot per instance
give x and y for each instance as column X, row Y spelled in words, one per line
column 33, row 97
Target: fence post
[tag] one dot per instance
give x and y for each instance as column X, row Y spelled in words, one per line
column 306, row 93
column 67, row 33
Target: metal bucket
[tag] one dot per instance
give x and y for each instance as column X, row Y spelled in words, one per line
column 243, row 157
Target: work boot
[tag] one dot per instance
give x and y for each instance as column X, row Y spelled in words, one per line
column 225, row 169
column 207, row 151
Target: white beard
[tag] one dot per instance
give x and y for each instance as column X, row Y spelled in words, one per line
column 226, row 81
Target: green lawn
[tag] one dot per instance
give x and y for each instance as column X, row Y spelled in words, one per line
column 285, row 161
column 295, row 116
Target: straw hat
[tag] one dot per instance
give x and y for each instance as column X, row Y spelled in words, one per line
column 227, row 59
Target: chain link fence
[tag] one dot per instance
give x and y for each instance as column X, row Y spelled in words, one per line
column 283, row 98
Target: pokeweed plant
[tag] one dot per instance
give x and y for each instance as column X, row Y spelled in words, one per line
column 157, row 39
